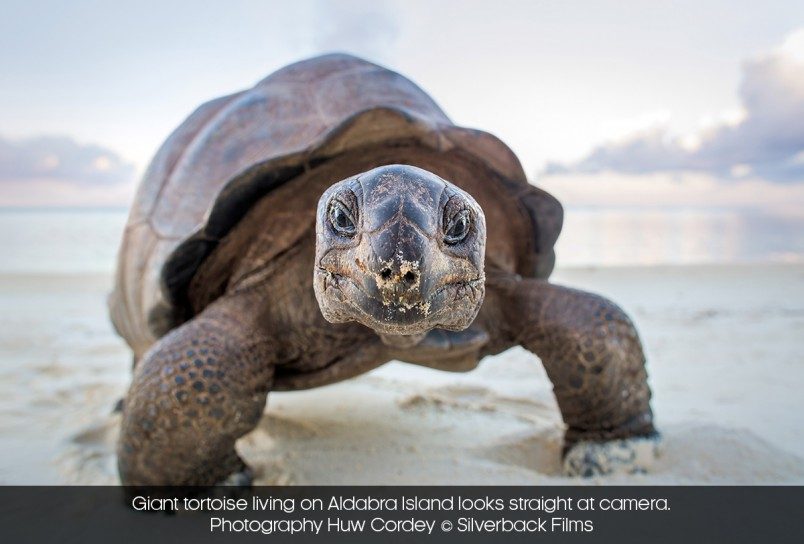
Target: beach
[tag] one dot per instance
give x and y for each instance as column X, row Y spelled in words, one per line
column 724, row 347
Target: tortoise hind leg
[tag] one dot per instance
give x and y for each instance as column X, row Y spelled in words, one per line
column 593, row 355
column 197, row 391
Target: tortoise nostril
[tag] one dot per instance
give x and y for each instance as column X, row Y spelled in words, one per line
column 408, row 278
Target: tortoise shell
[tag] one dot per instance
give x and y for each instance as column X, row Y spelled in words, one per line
column 234, row 150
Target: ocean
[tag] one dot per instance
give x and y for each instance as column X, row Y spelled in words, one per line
column 85, row 241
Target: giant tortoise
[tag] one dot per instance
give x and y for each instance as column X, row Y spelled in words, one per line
column 322, row 223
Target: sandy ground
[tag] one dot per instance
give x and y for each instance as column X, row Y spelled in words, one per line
column 725, row 362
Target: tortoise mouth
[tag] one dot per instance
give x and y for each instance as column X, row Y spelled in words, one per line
column 452, row 305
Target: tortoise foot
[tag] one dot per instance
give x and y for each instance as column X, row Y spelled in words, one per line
column 621, row 456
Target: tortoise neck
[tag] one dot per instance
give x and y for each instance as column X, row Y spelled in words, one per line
column 402, row 341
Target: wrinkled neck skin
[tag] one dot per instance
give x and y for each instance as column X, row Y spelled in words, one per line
column 402, row 341
column 401, row 251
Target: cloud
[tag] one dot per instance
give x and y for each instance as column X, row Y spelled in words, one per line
column 766, row 140
column 58, row 171
column 369, row 30
column 61, row 159
column 669, row 190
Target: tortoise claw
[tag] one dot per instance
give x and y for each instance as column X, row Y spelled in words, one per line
column 634, row 455
column 243, row 478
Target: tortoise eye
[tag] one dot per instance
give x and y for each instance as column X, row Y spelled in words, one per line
column 457, row 228
column 341, row 219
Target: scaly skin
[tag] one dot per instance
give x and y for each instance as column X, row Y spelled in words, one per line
column 176, row 432
column 592, row 354
column 194, row 393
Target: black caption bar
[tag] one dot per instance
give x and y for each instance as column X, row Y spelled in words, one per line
column 399, row 514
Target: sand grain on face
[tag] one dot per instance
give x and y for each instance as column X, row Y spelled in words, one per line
column 726, row 395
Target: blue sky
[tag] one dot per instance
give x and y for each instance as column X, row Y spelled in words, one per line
column 604, row 102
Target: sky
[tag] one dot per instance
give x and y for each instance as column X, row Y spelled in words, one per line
column 611, row 103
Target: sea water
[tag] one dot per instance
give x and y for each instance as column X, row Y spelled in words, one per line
column 85, row 241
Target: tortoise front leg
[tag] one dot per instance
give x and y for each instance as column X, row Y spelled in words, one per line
column 592, row 354
column 193, row 395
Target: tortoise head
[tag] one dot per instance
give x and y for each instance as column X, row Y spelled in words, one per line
column 401, row 251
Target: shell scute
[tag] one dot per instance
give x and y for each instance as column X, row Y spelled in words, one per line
column 233, row 150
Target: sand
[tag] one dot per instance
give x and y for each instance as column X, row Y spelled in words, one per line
column 725, row 360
